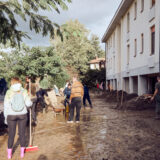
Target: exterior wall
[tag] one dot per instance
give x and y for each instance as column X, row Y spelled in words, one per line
column 117, row 48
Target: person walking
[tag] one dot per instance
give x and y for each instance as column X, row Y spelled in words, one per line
column 16, row 103
column 77, row 93
column 156, row 96
column 86, row 97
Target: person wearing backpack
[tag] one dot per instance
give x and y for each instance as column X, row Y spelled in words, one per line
column 16, row 103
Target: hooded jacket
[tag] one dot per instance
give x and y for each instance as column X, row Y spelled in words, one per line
column 8, row 98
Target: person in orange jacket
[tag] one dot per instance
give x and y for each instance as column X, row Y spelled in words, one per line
column 76, row 97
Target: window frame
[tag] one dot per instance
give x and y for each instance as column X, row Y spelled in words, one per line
column 128, row 54
column 142, row 43
column 128, row 22
column 152, row 40
column 142, row 6
column 135, row 47
column 135, row 10
column 153, row 2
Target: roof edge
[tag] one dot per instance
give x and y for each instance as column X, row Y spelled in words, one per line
column 122, row 9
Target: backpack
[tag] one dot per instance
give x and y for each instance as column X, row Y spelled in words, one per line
column 18, row 102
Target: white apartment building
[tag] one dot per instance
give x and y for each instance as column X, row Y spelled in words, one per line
column 132, row 43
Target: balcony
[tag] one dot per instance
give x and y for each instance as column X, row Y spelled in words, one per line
column 152, row 13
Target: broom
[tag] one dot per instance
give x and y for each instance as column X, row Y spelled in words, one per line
column 30, row 148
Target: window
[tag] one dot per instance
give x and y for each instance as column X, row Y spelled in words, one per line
column 152, row 40
column 142, row 5
column 128, row 22
column 142, row 43
column 153, row 2
column 135, row 47
column 128, row 54
column 135, row 10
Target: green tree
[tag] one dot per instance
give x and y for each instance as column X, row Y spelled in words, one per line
column 95, row 50
column 35, row 63
column 76, row 48
column 28, row 11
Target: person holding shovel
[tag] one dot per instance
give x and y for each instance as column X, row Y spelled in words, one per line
column 156, row 96
column 16, row 103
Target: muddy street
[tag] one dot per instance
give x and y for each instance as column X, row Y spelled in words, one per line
column 102, row 134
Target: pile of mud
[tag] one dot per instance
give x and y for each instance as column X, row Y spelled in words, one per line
column 138, row 103
column 128, row 101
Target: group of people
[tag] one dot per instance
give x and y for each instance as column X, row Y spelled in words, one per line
column 75, row 94
column 17, row 101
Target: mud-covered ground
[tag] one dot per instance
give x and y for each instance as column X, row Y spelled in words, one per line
column 103, row 134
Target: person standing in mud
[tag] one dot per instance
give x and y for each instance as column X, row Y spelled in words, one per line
column 77, row 93
column 16, row 103
column 86, row 97
column 156, row 96
column 40, row 98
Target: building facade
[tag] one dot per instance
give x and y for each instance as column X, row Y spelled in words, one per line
column 132, row 43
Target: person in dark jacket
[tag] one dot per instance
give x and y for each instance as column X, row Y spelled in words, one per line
column 40, row 98
column 67, row 94
column 156, row 96
column 86, row 96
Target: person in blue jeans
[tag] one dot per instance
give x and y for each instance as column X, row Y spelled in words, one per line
column 86, row 97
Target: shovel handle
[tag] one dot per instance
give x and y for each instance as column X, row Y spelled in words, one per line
column 30, row 126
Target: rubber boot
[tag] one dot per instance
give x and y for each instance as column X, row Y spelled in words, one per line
column 22, row 152
column 9, row 153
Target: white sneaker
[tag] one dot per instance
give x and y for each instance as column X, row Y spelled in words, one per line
column 77, row 121
column 69, row 121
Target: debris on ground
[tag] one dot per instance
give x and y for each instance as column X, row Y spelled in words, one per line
column 128, row 101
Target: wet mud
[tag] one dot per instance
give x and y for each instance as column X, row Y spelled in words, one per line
column 102, row 134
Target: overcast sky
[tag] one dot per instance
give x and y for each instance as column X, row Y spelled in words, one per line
column 94, row 14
